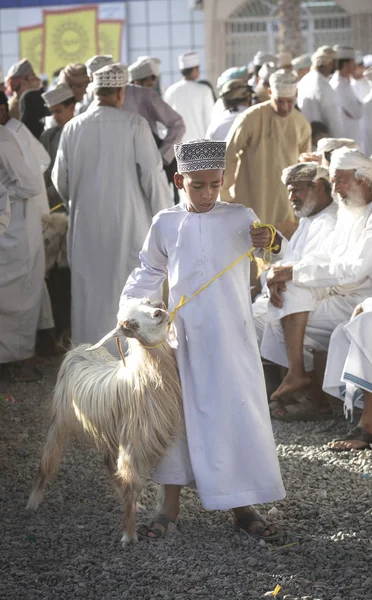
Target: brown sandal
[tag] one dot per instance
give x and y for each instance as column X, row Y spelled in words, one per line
column 244, row 523
column 357, row 434
column 159, row 519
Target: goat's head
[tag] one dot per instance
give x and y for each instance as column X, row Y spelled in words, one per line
column 140, row 319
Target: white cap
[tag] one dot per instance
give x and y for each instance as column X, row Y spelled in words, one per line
column 263, row 57
column 145, row 66
column 267, row 70
column 97, row 62
column 302, row 62
column 283, row 84
column 188, row 60
column 323, row 56
column 284, row 59
column 344, row 52
column 111, row 76
column 59, row 94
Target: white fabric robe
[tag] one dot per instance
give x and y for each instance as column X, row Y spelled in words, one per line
column 310, row 234
column 37, row 160
column 4, row 209
column 318, row 101
column 350, row 108
column 361, row 87
column 220, row 127
column 366, row 125
column 328, row 284
column 349, row 363
column 230, row 451
column 20, row 289
column 109, row 170
column 194, row 102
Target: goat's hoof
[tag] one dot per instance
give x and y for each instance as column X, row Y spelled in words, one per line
column 126, row 539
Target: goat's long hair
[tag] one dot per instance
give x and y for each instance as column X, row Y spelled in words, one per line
column 132, row 413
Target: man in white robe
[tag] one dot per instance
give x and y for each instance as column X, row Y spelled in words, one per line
column 310, row 298
column 350, row 108
column 358, row 81
column 4, row 209
column 37, row 160
column 237, row 97
column 109, row 172
column 309, row 193
column 226, row 413
column 316, row 99
column 366, row 125
column 20, row 292
column 192, row 101
column 145, row 71
column 348, row 375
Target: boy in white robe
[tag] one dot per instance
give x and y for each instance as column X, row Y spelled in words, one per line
column 312, row 297
column 348, row 375
column 229, row 449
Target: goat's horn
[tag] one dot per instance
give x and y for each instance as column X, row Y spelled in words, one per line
column 115, row 333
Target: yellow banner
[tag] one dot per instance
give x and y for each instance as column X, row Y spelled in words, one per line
column 30, row 45
column 109, row 38
column 70, row 36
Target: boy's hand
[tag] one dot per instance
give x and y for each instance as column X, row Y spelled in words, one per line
column 261, row 237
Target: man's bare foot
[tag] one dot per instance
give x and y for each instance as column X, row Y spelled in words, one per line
column 290, row 384
column 252, row 524
column 359, row 438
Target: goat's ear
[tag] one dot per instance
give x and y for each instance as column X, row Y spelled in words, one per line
column 129, row 327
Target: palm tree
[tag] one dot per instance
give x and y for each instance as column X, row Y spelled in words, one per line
column 290, row 37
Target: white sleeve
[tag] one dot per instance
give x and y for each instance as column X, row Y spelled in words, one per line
column 208, row 104
column 325, row 272
column 349, row 103
column 60, row 169
column 152, row 175
column 163, row 113
column 148, row 278
column 4, row 209
column 23, row 182
column 330, row 112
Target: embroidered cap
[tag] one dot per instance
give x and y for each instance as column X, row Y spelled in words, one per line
column 22, row 68
column 188, row 60
column 145, row 66
column 200, row 155
column 97, row 62
column 59, row 94
column 111, row 76
column 307, row 171
column 283, row 84
column 263, row 57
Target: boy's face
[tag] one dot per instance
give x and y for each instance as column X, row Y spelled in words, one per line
column 201, row 187
column 62, row 114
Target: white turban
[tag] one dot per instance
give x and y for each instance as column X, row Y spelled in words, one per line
column 346, row 159
column 306, row 171
column 266, row 71
column 283, row 84
column 189, row 60
column 331, row 144
column 302, row 62
column 323, row 56
column 344, row 52
column 145, row 66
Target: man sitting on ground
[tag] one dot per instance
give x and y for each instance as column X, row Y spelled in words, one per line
column 348, row 375
column 310, row 298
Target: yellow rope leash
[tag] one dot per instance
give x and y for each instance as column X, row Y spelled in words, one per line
column 268, row 251
column 56, row 207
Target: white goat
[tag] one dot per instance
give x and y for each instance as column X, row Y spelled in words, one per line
column 132, row 413
column 55, row 226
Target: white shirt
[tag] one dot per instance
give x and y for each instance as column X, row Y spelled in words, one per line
column 318, row 101
column 350, row 108
column 194, row 102
column 360, row 87
column 219, row 128
column 4, row 209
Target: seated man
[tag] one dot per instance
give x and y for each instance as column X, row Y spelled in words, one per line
column 309, row 193
column 310, row 298
column 348, row 375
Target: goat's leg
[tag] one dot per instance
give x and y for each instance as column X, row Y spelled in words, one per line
column 49, row 463
column 128, row 471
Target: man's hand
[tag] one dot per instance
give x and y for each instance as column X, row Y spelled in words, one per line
column 357, row 310
column 261, row 237
column 310, row 157
column 275, row 294
column 279, row 274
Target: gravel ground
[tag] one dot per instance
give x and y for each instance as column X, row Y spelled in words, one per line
column 70, row 548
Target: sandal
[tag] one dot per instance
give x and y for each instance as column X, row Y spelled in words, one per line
column 357, row 434
column 152, row 527
column 244, row 523
column 299, row 413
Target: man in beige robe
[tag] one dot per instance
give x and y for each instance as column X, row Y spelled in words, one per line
column 262, row 142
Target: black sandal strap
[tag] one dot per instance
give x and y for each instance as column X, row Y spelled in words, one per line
column 248, row 518
column 357, row 434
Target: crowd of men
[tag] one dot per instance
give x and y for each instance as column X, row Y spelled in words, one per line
column 98, row 143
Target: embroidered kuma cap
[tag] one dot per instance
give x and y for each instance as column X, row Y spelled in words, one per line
column 111, row 76
column 145, row 66
column 307, row 171
column 200, row 155
column 189, row 60
column 97, row 62
column 59, row 94
column 283, row 84
column 21, row 69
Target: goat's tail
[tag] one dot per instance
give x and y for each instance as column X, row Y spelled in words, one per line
column 129, row 474
column 49, row 463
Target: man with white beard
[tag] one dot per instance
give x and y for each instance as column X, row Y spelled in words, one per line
column 309, row 193
column 348, row 375
column 310, row 298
